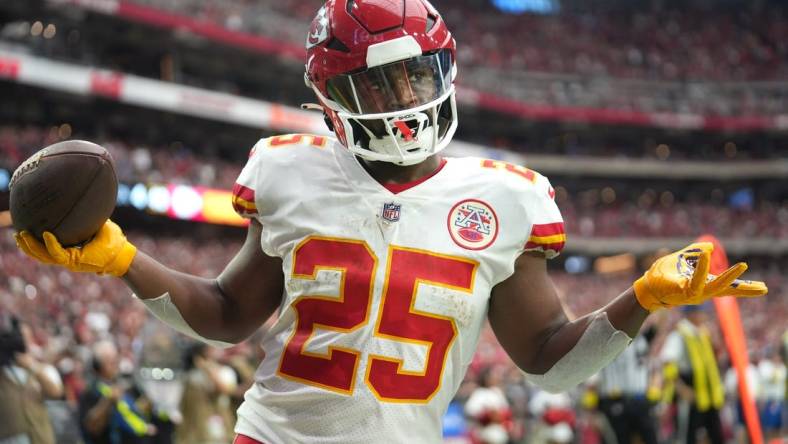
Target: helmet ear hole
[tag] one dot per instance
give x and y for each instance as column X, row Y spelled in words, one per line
column 360, row 134
column 445, row 118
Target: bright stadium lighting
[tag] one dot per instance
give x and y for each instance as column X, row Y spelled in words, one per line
column 123, row 194
column 5, row 177
column 159, row 199
column 523, row 6
column 576, row 264
column 139, row 196
column 186, row 202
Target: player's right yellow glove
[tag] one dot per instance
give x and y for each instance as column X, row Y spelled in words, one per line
column 107, row 253
column 683, row 278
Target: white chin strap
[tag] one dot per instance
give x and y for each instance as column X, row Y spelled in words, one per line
column 411, row 135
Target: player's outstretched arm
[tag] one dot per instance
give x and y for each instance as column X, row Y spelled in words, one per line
column 226, row 309
column 530, row 324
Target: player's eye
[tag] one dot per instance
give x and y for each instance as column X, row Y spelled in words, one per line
column 417, row 76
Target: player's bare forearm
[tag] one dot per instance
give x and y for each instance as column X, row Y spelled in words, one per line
column 624, row 313
column 531, row 325
column 228, row 308
column 200, row 301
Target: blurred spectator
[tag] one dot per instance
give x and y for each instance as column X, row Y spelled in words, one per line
column 623, row 211
column 784, row 348
column 733, row 395
column 67, row 313
column 205, row 405
column 109, row 411
column 134, row 163
column 648, row 213
column 592, row 425
column 772, row 372
column 722, row 43
column 489, row 409
column 555, row 418
column 700, row 389
column 25, row 383
column 657, row 57
column 244, row 359
column 623, row 393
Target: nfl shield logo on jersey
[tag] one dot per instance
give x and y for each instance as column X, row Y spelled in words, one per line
column 391, row 212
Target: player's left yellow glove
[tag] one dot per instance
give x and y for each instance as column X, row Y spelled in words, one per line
column 683, row 278
column 107, row 253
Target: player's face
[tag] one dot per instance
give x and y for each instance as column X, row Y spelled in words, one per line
column 394, row 87
column 412, row 88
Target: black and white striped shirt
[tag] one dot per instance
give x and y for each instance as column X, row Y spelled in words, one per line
column 628, row 374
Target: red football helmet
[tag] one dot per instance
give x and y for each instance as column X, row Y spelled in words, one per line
column 384, row 72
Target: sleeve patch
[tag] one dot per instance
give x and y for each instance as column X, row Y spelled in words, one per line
column 547, row 237
column 243, row 200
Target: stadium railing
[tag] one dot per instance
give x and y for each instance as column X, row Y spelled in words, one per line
column 82, row 80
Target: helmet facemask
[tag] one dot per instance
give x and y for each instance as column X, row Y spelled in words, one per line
column 401, row 112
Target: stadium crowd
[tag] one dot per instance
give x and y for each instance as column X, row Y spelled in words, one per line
column 69, row 318
column 102, row 345
column 615, row 209
column 175, row 163
column 652, row 214
column 728, row 61
column 623, row 59
column 728, row 45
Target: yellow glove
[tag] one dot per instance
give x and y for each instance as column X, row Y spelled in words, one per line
column 108, row 253
column 683, row 278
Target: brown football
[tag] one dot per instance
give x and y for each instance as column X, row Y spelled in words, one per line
column 68, row 188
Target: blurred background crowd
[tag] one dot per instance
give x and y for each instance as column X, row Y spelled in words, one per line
column 604, row 208
column 656, row 120
column 67, row 321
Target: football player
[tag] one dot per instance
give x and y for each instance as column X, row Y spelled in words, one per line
column 382, row 258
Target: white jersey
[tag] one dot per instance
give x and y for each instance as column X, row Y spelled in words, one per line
column 385, row 293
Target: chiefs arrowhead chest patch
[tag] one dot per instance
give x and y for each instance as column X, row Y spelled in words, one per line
column 473, row 224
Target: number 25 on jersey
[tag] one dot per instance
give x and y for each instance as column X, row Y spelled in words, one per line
column 398, row 318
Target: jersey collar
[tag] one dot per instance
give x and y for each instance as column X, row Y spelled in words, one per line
column 360, row 178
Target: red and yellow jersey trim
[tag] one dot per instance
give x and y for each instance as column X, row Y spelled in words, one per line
column 547, row 237
column 243, row 200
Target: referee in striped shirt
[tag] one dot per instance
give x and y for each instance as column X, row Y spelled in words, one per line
column 623, row 387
